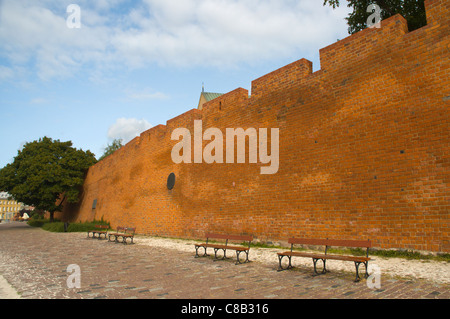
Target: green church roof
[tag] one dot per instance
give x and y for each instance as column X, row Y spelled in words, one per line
column 211, row 96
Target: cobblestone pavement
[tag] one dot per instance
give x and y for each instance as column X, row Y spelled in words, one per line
column 35, row 263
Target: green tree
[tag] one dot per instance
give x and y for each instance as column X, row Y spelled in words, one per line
column 43, row 171
column 111, row 148
column 412, row 10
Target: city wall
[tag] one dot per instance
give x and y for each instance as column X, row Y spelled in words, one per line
column 364, row 151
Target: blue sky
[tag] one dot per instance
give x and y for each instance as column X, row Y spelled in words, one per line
column 134, row 64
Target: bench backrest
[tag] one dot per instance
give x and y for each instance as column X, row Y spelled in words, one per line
column 307, row 241
column 331, row 242
column 101, row 227
column 229, row 237
column 126, row 230
column 349, row 243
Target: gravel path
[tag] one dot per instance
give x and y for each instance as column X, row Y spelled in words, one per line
column 435, row 271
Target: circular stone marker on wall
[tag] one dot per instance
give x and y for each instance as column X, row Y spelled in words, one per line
column 171, row 181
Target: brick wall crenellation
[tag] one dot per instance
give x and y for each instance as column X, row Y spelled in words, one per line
column 364, row 151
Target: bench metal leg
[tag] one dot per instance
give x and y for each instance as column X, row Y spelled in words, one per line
column 125, row 239
column 280, row 258
column 324, row 270
column 196, row 252
column 238, row 252
column 224, row 254
column 357, row 264
column 93, row 234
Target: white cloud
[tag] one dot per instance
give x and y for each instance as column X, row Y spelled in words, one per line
column 6, row 73
column 38, row 100
column 127, row 129
column 226, row 33
column 145, row 94
column 34, row 32
column 219, row 33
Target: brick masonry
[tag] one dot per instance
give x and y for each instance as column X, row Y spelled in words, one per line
column 364, row 151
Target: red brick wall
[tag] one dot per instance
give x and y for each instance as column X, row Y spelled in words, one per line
column 364, row 151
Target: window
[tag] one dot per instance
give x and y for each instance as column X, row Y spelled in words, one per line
column 171, row 181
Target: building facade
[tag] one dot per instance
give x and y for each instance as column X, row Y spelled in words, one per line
column 8, row 207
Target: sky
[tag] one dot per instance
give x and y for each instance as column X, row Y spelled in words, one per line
column 91, row 71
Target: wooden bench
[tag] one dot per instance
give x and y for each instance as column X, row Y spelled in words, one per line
column 124, row 233
column 99, row 230
column 224, row 246
column 358, row 260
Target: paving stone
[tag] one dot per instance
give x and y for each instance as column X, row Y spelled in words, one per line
column 35, row 263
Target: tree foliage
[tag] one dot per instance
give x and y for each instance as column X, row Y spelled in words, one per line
column 412, row 10
column 111, row 148
column 43, row 171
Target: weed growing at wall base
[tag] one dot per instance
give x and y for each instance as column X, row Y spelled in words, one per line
column 58, row 226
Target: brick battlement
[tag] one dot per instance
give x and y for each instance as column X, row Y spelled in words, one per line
column 155, row 132
column 363, row 151
column 357, row 48
column 283, row 78
column 225, row 101
column 184, row 120
column 437, row 11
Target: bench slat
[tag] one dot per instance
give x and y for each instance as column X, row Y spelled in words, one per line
column 349, row 243
column 240, row 248
column 302, row 254
column 327, row 243
column 348, row 258
column 331, row 242
column 124, row 232
column 307, row 241
column 323, row 256
column 99, row 230
column 212, row 245
column 225, row 246
column 229, row 237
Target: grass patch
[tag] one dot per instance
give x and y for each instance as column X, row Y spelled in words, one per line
column 36, row 222
column 58, row 226
column 407, row 254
